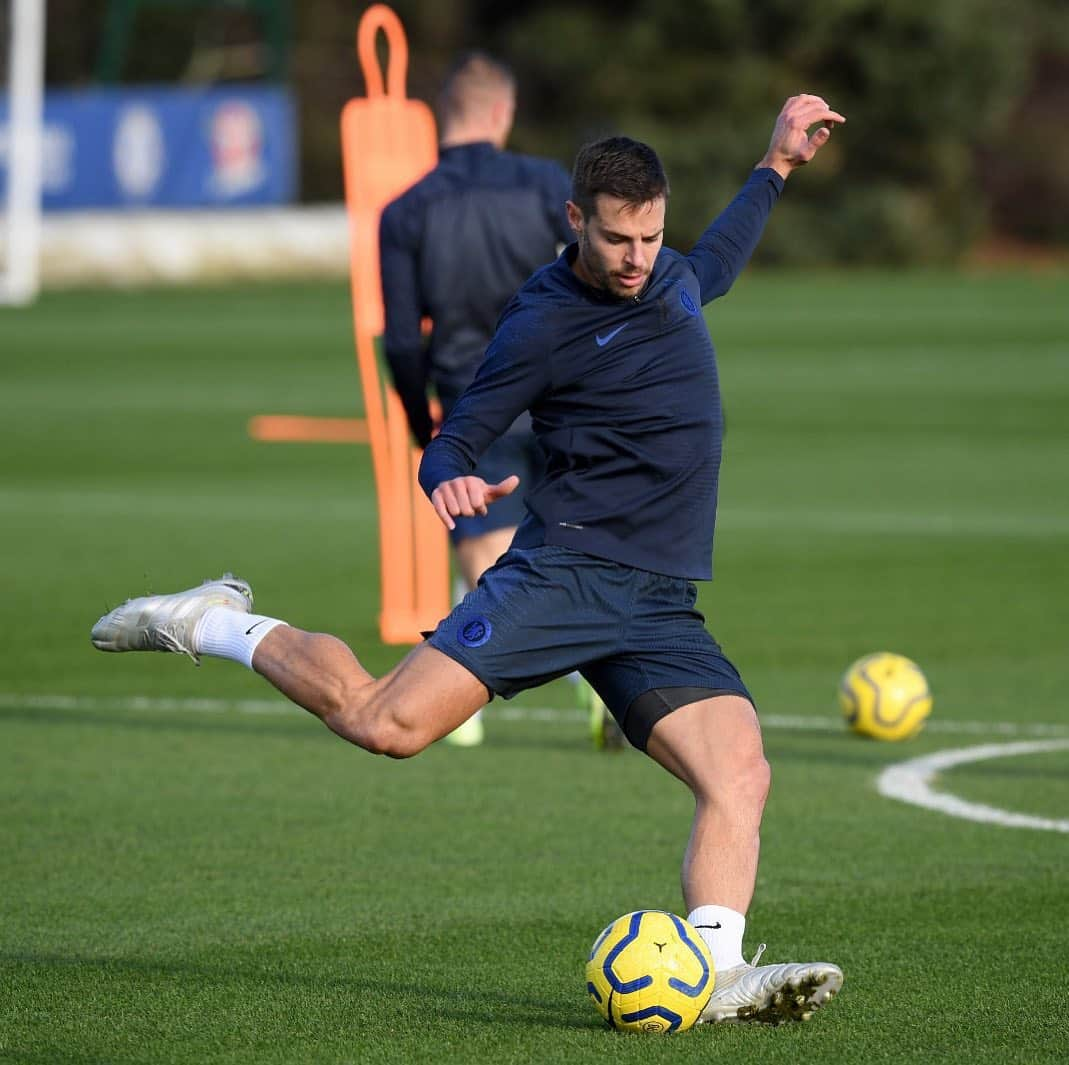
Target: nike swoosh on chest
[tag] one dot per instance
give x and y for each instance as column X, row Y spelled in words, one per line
column 603, row 338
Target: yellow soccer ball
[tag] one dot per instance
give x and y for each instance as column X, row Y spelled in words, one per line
column 650, row 971
column 885, row 696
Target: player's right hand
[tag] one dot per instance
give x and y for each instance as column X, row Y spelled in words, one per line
column 468, row 496
column 792, row 145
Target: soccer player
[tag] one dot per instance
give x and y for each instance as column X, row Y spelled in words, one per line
column 455, row 247
column 608, row 349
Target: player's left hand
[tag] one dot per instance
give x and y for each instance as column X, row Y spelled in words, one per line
column 468, row 496
column 792, row 145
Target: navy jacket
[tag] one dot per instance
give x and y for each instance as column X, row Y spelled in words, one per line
column 455, row 247
column 624, row 400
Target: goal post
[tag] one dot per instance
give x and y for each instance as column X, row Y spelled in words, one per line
column 24, row 140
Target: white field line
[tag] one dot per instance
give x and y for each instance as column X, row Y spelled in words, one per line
column 911, row 782
column 499, row 712
column 908, row 781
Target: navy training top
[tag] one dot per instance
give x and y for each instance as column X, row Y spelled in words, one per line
column 455, row 247
column 624, row 401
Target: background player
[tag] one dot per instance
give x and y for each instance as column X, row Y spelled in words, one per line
column 455, row 247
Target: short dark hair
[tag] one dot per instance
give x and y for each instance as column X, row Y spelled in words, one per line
column 620, row 167
column 474, row 79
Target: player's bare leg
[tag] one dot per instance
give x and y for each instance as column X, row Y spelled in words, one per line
column 476, row 554
column 714, row 747
column 423, row 698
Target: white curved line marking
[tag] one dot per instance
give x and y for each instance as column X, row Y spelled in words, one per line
column 911, row 782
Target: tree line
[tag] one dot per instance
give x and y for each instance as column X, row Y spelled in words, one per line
column 956, row 109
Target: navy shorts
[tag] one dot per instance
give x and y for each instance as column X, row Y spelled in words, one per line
column 516, row 453
column 542, row 612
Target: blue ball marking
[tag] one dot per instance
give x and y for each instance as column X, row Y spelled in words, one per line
column 623, row 987
column 597, row 942
column 673, row 1019
column 690, row 990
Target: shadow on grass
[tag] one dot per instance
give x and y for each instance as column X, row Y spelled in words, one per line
column 428, row 1003
column 61, row 1055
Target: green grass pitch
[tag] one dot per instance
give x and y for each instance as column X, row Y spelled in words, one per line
column 195, row 871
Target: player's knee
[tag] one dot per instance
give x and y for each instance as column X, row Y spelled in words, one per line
column 391, row 735
column 758, row 778
column 751, row 774
column 363, row 716
column 744, row 783
column 401, row 743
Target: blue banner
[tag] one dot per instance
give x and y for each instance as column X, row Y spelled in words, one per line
column 154, row 146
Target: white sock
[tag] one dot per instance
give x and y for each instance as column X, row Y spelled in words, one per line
column 722, row 929
column 226, row 633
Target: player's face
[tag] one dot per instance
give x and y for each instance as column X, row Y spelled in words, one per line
column 618, row 243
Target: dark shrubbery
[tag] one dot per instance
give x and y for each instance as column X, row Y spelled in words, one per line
column 956, row 108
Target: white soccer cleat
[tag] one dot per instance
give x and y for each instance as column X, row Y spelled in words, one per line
column 772, row 994
column 166, row 622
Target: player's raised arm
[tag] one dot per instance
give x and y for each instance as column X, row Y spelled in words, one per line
column 792, row 145
column 726, row 246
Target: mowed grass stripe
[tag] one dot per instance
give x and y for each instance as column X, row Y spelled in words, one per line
column 43, row 501
column 224, row 887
